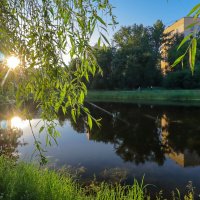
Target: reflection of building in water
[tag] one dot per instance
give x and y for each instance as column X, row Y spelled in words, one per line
column 185, row 158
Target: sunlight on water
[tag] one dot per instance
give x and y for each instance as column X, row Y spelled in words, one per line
column 17, row 122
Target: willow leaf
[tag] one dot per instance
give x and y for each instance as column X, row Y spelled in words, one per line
column 178, row 60
column 194, row 9
column 184, row 41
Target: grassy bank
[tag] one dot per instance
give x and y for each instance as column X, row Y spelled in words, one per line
column 191, row 96
column 27, row 182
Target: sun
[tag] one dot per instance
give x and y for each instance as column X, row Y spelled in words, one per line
column 13, row 62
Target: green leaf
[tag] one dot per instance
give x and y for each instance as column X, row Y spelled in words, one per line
column 73, row 113
column 194, row 9
column 178, row 60
column 104, row 37
column 190, row 58
column 99, row 42
column 86, row 76
column 192, row 54
column 80, row 22
column 64, row 110
column 184, row 41
column 89, row 122
column 100, row 20
column 197, row 14
column 81, row 97
column 57, row 133
column 104, row 29
column 47, row 140
column 41, row 129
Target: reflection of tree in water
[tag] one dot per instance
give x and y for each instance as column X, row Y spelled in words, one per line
column 137, row 134
column 79, row 126
column 9, row 136
column 9, row 142
column 126, row 130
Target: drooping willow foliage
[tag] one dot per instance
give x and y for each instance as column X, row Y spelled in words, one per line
column 42, row 33
column 192, row 39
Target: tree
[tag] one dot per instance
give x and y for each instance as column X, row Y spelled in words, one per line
column 104, row 58
column 172, row 53
column 41, row 33
column 157, row 35
column 136, row 62
column 181, row 76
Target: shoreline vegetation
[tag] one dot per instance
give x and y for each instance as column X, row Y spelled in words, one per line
column 144, row 96
column 24, row 181
column 147, row 96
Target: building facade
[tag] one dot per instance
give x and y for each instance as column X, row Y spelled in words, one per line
column 181, row 26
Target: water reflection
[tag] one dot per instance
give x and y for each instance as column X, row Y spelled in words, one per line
column 141, row 134
column 17, row 122
column 184, row 156
column 138, row 134
column 10, row 132
column 162, row 142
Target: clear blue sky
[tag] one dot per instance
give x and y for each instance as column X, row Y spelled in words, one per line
column 148, row 11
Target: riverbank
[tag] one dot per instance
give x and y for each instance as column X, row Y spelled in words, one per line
column 148, row 96
column 29, row 182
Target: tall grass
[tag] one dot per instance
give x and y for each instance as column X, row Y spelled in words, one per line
column 109, row 192
column 27, row 182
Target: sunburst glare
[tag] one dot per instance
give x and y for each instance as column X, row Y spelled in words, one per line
column 13, row 62
column 17, row 122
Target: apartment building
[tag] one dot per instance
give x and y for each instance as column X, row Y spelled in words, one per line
column 181, row 26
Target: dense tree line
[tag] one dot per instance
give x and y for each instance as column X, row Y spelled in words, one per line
column 134, row 60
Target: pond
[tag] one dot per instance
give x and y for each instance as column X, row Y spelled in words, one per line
column 161, row 143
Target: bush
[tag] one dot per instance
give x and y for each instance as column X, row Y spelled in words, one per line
column 182, row 79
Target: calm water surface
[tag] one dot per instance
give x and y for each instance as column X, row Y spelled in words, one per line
column 160, row 142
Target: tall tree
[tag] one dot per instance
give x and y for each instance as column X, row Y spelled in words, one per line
column 104, row 58
column 138, row 52
column 157, row 38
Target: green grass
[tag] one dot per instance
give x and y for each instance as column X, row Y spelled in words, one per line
column 27, row 182
column 159, row 95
